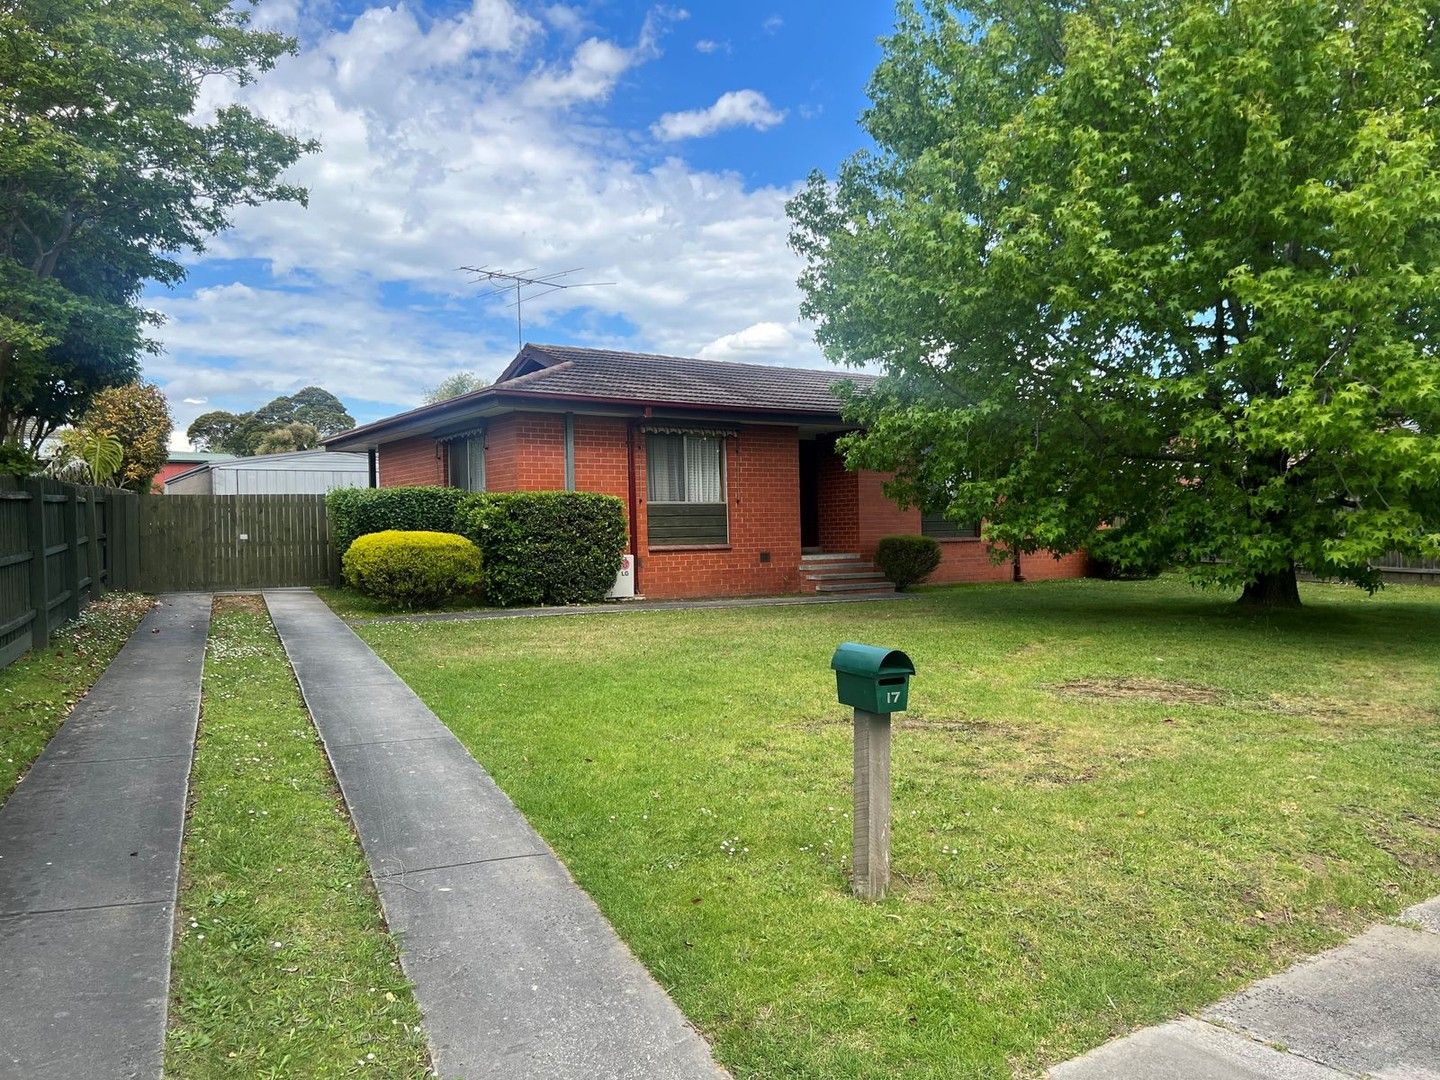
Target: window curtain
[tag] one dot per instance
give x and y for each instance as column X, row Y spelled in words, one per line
column 666, row 468
column 702, row 469
column 467, row 463
column 685, row 469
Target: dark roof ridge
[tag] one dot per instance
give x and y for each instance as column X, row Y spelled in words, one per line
column 840, row 373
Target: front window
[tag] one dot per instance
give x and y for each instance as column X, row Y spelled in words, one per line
column 942, row 528
column 467, row 463
column 686, row 485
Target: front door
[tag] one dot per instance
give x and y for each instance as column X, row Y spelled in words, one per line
column 809, row 493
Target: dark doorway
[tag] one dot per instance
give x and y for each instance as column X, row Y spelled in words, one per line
column 809, row 494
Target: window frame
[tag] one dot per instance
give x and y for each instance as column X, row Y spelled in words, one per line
column 669, row 514
column 468, row 458
column 939, row 527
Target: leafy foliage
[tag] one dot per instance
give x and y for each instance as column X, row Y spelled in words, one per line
column 296, row 422
column 413, row 569
column 452, row 386
column 273, row 424
column 109, row 167
column 138, row 417
column 545, row 547
column 907, row 560
column 354, row 512
column 1172, row 268
column 296, row 435
column 87, row 457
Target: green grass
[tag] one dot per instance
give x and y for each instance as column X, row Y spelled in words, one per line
column 349, row 604
column 282, row 965
column 38, row 691
column 1113, row 802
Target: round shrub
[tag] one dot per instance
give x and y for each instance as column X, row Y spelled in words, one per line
column 545, row 547
column 413, row 569
column 906, row 560
column 357, row 511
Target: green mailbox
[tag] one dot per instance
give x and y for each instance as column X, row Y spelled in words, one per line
column 871, row 678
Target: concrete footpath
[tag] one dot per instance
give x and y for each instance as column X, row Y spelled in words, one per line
column 1369, row 1008
column 90, row 862
column 518, row 973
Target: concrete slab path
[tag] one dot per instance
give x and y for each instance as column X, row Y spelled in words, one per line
column 1370, row 1008
column 90, row 862
column 635, row 607
column 518, row 973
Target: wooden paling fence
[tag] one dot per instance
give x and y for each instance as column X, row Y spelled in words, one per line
column 61, row 545
column 220, row 542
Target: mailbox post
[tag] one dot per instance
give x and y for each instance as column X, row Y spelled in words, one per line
column 875, row 682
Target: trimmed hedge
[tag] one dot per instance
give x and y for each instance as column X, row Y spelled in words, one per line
column 545, row 547
column 906, row 560
column 356, row 511
column 413, row 569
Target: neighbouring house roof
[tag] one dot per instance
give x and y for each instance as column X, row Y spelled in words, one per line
column 194, row 457
column 565, row 373
column 293, row 459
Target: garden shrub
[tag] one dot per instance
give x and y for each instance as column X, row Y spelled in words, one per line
column 413, row 569
column 545, row 547
column 906, row 560
column 357, row 511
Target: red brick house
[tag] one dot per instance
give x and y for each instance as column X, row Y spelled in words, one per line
column 728, row 471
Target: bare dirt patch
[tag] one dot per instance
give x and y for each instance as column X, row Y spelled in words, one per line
column 1350, row 710
column 1131, row 689
column 250, row 604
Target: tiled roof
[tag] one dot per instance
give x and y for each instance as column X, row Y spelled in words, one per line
column 645, row 379
column 680, row 380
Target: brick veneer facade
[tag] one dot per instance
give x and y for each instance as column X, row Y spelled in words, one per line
column 526, row 452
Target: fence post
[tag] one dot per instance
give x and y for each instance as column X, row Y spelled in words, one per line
column 39, row 579
column 71, row 525
column 132, row 540
column 92, row 540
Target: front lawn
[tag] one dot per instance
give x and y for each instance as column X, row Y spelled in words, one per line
column 1112, row 803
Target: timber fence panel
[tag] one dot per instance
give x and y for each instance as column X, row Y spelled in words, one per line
column 59, row 548
column 223, row 542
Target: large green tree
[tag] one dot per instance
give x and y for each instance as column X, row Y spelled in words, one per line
column 1159, row 279
column 108, row 167
column 318, row 413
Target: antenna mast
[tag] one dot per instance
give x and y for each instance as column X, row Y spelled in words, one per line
column 538, row 285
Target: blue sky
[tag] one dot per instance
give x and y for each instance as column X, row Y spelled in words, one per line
column 653, row 145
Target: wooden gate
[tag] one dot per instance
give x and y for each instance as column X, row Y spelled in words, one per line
column 218, row 542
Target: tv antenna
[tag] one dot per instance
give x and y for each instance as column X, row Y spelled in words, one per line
column 527, row 285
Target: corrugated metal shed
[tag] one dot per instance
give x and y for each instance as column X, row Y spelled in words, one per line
column 305, row 472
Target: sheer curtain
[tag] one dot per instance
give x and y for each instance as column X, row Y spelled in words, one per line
column 667, row 468
column 685, row 469
column 702, row 469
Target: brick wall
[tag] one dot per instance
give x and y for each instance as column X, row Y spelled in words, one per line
column 763, row 489
column 412, row 461
column 960, row 560
column 526, row 452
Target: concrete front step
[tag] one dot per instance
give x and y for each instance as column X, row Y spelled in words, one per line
column 872, row 585
column 820, row 557
column 828, row 575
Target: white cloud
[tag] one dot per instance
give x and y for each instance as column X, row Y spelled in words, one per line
column 737, row 108
column 751, row 345
column 773, row 24
column 710, row 45
column 440, row 150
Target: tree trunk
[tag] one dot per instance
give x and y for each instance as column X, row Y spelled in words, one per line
column 1277, row 589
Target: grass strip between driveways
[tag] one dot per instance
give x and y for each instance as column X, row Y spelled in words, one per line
column 1113, row 803
column 38, row 691
column 282, row 964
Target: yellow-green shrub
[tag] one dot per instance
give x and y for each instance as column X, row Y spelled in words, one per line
column 413, row 569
